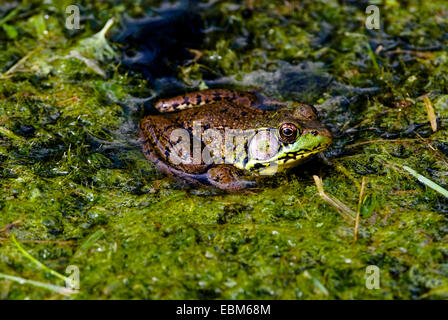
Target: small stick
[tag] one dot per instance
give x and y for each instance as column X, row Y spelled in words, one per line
column 431, row 113
column 9, row 226
column 67, row 242
column 358, row 212
column 415, row 53
column 60, row 290
column 345, row 211
column 21, row 61
column 379, row 141
column 75, row 98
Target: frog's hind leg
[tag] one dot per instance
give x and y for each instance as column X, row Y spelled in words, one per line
column 152, row 156
column 221, row 177
column 199, row 98
column 226, row 177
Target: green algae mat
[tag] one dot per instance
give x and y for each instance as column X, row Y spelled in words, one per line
column 83, row 214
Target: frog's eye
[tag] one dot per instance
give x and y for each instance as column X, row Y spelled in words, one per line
column 288, row 132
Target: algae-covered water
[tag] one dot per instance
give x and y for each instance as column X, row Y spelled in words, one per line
column 78, row 198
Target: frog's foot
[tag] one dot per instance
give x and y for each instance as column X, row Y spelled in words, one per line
column 227, row 177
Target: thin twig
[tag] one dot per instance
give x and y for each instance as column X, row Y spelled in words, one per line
column 20, row 62
column 419, row 54
column 431, row 113
column 379, row 141
column 358, row 211
column 67, row 242
column 9, row 226
column 345, row 211
column 58, row 289
column 439, row 154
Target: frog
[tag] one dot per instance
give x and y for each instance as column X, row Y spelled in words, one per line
column 262, row 141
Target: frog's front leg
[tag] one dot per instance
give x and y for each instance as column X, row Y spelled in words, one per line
column 226, row 177
column 199, row 98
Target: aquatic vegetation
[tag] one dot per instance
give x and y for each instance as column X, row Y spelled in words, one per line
column 76, row 190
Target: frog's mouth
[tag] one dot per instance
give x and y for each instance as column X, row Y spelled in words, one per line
column 292, row 154
column 306, row 146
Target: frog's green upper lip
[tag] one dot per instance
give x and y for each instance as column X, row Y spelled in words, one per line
column 320, row 144
column 307, row 144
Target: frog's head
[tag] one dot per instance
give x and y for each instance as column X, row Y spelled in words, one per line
column 290, row 136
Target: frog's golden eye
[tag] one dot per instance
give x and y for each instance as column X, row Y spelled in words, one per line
column 288, row 132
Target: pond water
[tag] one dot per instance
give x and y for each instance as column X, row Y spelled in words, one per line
column 78, row 194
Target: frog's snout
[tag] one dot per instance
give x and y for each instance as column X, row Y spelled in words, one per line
column 316, row 128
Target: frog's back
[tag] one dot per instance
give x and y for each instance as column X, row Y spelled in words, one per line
column 216, row 116
column 157, row 130
column 219, row 116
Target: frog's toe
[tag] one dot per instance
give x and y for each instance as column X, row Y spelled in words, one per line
column 226, row 177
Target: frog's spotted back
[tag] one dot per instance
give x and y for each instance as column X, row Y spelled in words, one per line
column 199, row 98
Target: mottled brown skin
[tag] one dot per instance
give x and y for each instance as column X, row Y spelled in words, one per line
column 157, row 129
column 199, row 98
column 223, row 109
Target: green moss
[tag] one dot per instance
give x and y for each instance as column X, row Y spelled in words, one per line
column 79, row 193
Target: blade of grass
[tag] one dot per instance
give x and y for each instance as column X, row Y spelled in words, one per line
column 38, row 263
column 10, row 15
column 316, row 283
column 439, row 292
column 89, row 242
column 368, row 47
column 58, row 289
column 347, row 173
column 11, row 135
column 21, row 61
column 429, row 183
column 372, row 56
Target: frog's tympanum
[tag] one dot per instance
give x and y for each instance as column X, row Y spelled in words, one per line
column 225, row 138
